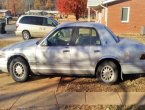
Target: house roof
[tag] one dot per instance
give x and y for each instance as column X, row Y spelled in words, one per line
column 98, row 2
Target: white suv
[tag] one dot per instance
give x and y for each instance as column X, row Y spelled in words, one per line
column 34, row 26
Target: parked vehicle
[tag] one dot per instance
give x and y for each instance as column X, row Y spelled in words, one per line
column 34, row 26
column 84, row 48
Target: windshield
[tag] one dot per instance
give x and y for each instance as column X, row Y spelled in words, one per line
column 41, row 39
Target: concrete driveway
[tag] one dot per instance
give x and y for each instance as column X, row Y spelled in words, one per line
column 25, row 95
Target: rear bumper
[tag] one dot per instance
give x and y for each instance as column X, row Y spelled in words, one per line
column 18, row 33
column 132, row 69
column 3, row 65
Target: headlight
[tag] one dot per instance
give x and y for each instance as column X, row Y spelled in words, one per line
column 2, row 54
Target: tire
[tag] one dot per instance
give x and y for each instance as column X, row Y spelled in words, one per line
column 26, row 35
column 108, row 72
column 19, row 69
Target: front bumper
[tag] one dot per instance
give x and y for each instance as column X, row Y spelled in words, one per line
column 3, row 65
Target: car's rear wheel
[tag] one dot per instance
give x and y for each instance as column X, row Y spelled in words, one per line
column 108, row 72
column 26, row 35
column 19, row 69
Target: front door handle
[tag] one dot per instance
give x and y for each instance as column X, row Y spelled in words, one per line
column 65, row 51
column 96, row 51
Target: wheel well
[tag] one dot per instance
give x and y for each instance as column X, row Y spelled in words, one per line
column 26, row 30
column 13, row 57
column 108, row 59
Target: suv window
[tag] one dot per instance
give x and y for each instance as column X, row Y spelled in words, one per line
column 60, row 37
column 32, row 20
column 25, row 20
column 37, row 20
column 87, row 36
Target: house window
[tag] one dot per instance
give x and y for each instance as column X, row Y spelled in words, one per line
column 125, row 14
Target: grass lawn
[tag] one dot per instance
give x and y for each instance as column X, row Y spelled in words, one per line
column 6, row 42
column 138, row 38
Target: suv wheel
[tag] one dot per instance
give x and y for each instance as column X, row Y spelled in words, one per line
column 26, row 35
column 19, row 69
column 108, row 72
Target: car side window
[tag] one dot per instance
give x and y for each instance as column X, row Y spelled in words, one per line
column 87, row 36
column 48, row 22
column 32, row 20
column 37, row 20
column 25, row 20
column 60, row 37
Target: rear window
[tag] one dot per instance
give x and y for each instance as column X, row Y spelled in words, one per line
column 87, row 36
column 32, row 20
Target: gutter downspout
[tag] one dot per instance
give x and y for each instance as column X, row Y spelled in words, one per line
column 89, row 14
column 106, row 14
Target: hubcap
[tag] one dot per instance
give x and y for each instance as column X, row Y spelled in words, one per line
column 107, row 73
column 26, row 35
column 18, row 70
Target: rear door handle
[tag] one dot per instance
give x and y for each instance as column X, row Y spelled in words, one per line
column 96, row 51
column 65, row 51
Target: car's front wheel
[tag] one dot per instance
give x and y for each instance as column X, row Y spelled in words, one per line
column 19, row 69
column 26, row 35
column 108, row 72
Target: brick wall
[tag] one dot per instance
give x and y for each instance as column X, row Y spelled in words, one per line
column 136, row 19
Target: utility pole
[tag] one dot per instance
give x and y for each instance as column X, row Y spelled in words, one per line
column 29, row 6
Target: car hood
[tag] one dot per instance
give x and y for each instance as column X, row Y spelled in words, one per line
column 20, row 45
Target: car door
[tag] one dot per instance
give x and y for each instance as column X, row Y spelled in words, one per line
column 81, row 52
column 47, row 26
column 39, row 26
column 31, row 24
column 53, row 55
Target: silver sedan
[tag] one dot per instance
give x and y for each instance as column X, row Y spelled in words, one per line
column 83, row 48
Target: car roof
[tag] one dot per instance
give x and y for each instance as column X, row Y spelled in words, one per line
column 37, row 16
column 81, row 24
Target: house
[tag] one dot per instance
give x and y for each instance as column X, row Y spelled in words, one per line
column 121, row 16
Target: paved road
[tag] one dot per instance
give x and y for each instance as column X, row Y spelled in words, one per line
column 22, row 95
column 10, row 29
column 41, row 93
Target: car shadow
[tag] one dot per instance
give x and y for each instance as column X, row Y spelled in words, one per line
column 131, row 77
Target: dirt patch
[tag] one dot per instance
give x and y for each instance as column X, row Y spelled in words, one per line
column 131, row 83
column 84, row 107
column 102, row 107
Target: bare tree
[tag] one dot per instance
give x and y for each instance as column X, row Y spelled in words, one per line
column 2, row 4
column 49, row 4
column 15, row 6
column 37, row 4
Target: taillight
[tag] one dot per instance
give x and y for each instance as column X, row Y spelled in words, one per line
column 17, row 26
